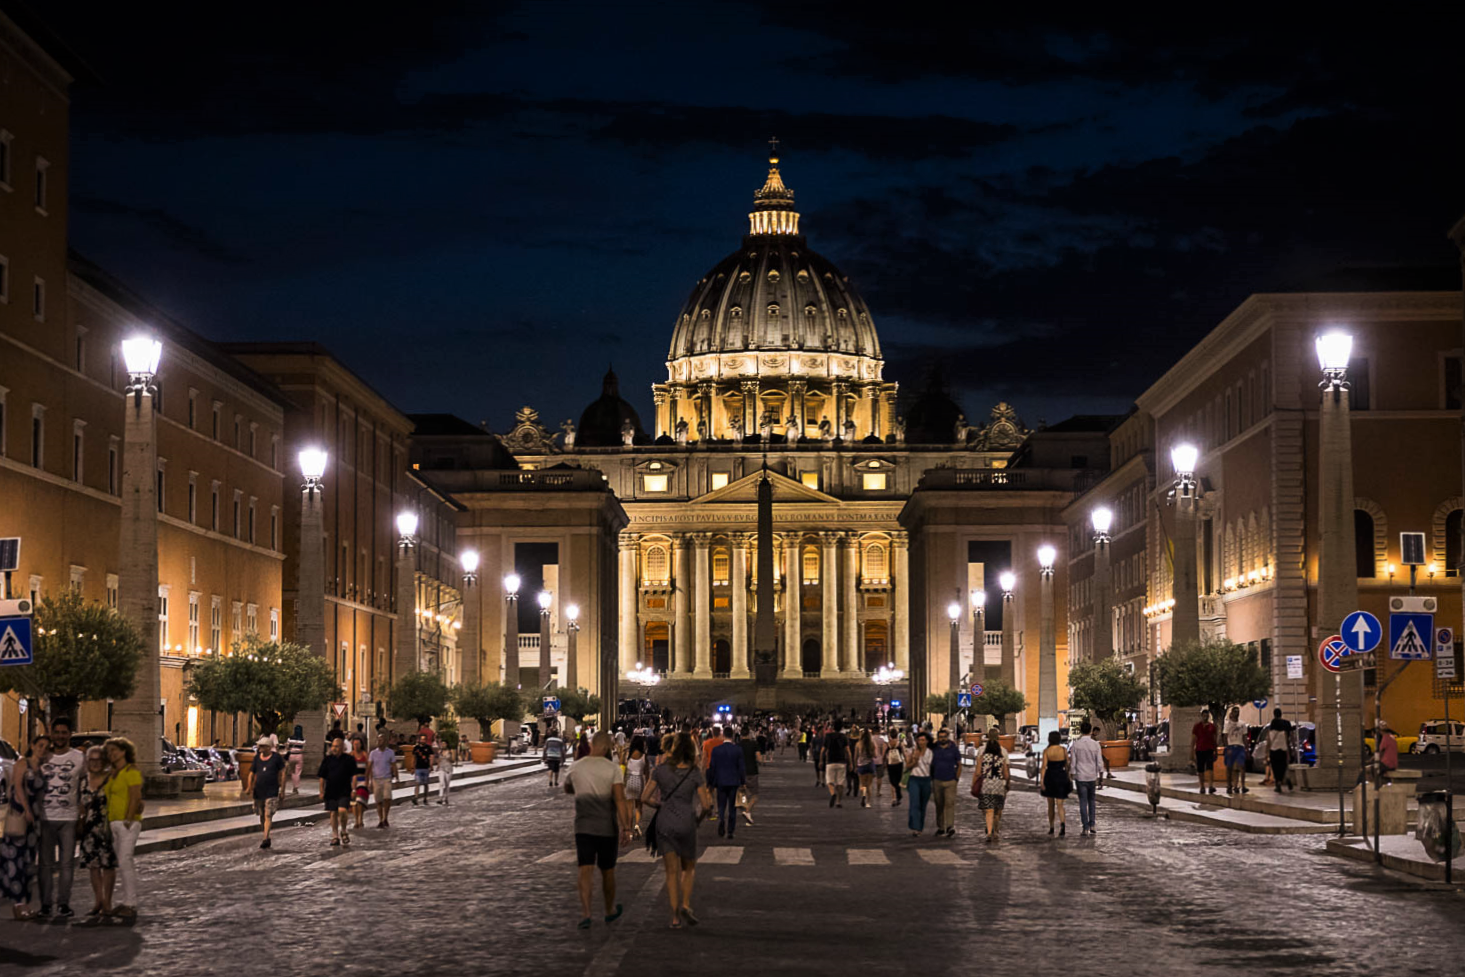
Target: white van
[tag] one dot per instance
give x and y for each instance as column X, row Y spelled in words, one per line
column 1432, row 736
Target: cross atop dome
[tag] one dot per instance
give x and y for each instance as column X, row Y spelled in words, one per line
column 773, row 204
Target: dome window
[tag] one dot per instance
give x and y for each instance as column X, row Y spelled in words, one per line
column 803, row 275
column 707, row 313
column 773, row 309
column 793, row 254
column 828, row 277
column 745, row 277
column 736, row 312
column 809, row 311
column 773, row 276
column 752, row 256
column 842, row 314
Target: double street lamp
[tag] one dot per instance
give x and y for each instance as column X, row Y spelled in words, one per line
column 979, row 634
column 1047, row 646
column 1101, row 519
column 545, row 599
column 310, row 614
column 572, row 631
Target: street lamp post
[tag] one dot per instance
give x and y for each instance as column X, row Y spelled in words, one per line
column 471, row 639
column 572, row 632
column 979, row 635
column 511, row 648
column 644, row 678
column 1047, row 647
column 953, row 611
column 1185, row 615
column 310, row 605
column 887, row 675
column 1337, row 573
column 139, row 716
column 545, row 599
column 1101, row 519
column 405, row 650
column 1008, row 669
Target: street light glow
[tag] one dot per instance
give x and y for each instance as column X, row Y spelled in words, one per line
column 406, row 524
column 953, row 611
column 141, row 355
column 468, row 560
column 1333, row 351
column 1046, row 556
column 979, row 599
column 572, row 612
column 511, row 584
column 1183, row 458
column 1008, row 580
column 544, row 598
column 1102, row 518
column 312, row 463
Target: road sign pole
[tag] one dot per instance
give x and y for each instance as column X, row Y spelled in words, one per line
column 1449, row 793
column 1338, row 714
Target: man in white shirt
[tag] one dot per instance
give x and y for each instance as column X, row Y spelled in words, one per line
column 60, row 808
column 1087, row 758
column 1236, row 734
column 602, row 823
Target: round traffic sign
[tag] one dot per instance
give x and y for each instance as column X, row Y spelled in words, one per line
column 1361, row 632
column 1259, row 703
column 976, row 688
column 1332, row 651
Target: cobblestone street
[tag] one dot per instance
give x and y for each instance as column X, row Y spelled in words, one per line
column 485, row 886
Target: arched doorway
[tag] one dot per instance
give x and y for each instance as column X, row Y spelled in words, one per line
column 809, row 660
column 877, row 644
column 721, row 657
column 657, row 653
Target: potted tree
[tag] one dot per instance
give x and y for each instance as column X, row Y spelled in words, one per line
column 419, row 696
column 1214, row 674
column 1000, row 700
column 1108, row 690
column 487, row 703
column 576, row 704
column 270, row 681
column 944, row 704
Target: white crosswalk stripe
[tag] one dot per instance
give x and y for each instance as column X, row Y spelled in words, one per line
column 867, row 856
column 566, row 857
column 940, row 856
column 793, row 856
column 729, row 855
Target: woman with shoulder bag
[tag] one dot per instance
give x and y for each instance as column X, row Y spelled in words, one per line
column 895, row 764
column 1057, row 781
column 865, row 765
column 20, row 845
column 675, row 788
column 990, row 784
column 917, row 779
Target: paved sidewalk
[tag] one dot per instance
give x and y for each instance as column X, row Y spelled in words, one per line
column 1402, row 853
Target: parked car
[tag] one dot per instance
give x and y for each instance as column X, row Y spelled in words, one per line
column 1432, row 737
column 8, row 756
column 1407, row 744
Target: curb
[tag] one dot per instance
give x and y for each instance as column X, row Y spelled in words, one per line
column 1355, row 849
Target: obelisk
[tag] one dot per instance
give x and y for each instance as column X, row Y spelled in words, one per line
column 765, row 645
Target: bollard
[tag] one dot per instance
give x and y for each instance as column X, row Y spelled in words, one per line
column 1152, row 787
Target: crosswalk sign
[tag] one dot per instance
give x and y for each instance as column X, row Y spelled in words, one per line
column 963, row 700
column 15, row 641
column 1411, row 637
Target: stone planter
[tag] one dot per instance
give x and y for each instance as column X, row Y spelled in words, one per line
column 481, row 752
column 246, row 764
column 1008, row 742
column 1116, row 753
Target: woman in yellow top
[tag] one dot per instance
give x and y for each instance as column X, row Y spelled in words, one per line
column 124, row 811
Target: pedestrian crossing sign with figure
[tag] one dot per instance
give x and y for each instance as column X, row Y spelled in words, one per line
column 1411, row 637
column 15, row 641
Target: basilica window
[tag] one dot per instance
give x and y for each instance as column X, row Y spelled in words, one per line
column 720, row 566
column 745, row 277
column 737, row 312
column 874, row 481
column 810, row 479
column 653, row 483
column 843, row 314
column 773, row 309
column 809, row 311
column 803, row 275
column 877, row 566
column 719, row 480
column 811, row 564
column 657, row 566
column 773, row 276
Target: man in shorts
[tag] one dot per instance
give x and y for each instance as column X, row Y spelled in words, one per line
column 421, row 768
column 1236, row 733
column 337, row 770
column 381, row 771
column 835, row 754
column 602, row 823
column 265, row 775
column 554, row 755
column 1203, row 735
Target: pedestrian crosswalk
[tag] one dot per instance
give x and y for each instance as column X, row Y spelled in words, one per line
column 787, row 857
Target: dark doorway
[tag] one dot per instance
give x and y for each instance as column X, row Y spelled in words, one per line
column 877, row 646
column 657, row 653
column 721, row 657
column 810, row 659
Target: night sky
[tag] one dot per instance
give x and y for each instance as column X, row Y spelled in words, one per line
column 481, row 207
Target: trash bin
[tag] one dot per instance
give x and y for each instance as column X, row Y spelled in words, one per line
column 1152, row 786
column 1436, row 831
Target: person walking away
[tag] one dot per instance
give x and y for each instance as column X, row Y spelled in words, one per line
column 638, row 765
column 295, row 748
column 994, row 778
column 816, row 743
column 64, row 770
column 21, row 839
column 337, row 770
column 945, row 769
column 882, row 745
column 360, row 791
column 124, row 816
column 803, row 746
column 1087, row 757
column 1054, row 777
column 835, row 756
column 749, row 798
column 1279, row 750
column 1203, row 735
column 444, row 774
column 381, row 772
column 1236, row 734
column 602, row 824
column 265, row 776
column 918, row 782
column 675, row 788
column 726, row 771
column 582, row 745
column 554, row 755
column 865, row 765
column 709, row 744
column 895, row 765
column 94, row 835
column 421, row 766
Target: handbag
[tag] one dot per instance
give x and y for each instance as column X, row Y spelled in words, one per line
column 905, row 778
column 15, row 825
column 650, row 831
column 977, row 783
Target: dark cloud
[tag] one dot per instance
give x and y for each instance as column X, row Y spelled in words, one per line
column 176, row 233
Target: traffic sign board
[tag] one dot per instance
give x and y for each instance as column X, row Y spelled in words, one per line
column 1444, row 653
column 551, row 705
column 15, row 641
column 338, row 709
column 1294, row 666
column 1259, row 703
column 963, row 700
column 1409, row 636
column 976, row 688
column 1331, row 652
column 1361, row 631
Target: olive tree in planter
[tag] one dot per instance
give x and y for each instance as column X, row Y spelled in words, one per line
column 487, row 703
column 1108, row 690
column 1000, row 700
column 419, row 696
column 270, row 681
column 1211, row 673
column 576, row 704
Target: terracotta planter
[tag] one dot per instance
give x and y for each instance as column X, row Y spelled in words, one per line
column 1009, row 743
column 481, row 752
column 1116, row 753
column 245, row 759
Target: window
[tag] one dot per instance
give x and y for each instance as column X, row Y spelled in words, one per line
column 114, row 456
column 192, row 409
column 1451, row 381
column 1452, row 543
column 112, row 591
column 162, row 482
column 251, row 519
column 1363, row 543
column 78, row 446
column 5, row 156
column 877, row 566
column 218, row 418
column 36, row 588
column 42, row 182
column 811, row 564
column 1360, row 395
column 275, row 452
column 274, row 527
column 163, row 618
column 653, row 483
column 238, row 506
column 873, row 481
column 236, row 620
column 274, row 624
column 214, row 506
column 78, row 578
column 193, row 646
column 719, row 480
column 810, row 479
column 251, row 618
column 38, row 299
column 721, row 562
column 238, row 432
column 216, row 623
column 193, row 498
column 253, row 439
column 657, row 568
column 38, row 435
column 79, row 360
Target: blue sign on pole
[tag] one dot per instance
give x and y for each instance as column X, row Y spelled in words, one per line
column 1259, row 703
column 1411, row 637
column 963, row 700
column 551, row 705
column 1361, row 632
column 15, row 641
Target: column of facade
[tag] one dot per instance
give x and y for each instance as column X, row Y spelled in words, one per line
column 839, row 388
column 828, row 576
column 702, row 594
column 704, row 407
column 793, row 606
column 900, row 600
column 872, row 393
column 750, row 407
column 796, row 390
column 849, row 633
column 681, row 624
column 740, row 606
column 660, row 397
column 629, row 647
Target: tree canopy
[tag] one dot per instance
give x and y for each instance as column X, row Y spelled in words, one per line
column 272, row 681
column 1211, row 673
column 82, row 651
column 1106, row 688
column 488, row 702
column 999, row 700
column 576, row 704
column 418, row 695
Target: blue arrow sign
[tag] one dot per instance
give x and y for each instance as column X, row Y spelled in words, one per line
column 1410, row 637
column 963, row 700
column 1260, row 703
column 1361, row 632
column 15, row 641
